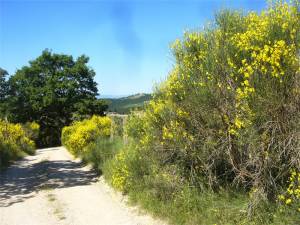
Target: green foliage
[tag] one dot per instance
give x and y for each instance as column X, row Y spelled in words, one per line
column 161, row 191
column 135, row 125
column 102, row 150
column 3, row 92
column 117, row 125
column 126, row 104
column 192, row 207
column 53, row 90
column 14, row 143
column 291, row 197
column 32, row 130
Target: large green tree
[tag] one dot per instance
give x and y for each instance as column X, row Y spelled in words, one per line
column 3, row 86
column 53, row 90
column 3, row 91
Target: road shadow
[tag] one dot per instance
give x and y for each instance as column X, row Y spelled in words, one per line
column 23, row 180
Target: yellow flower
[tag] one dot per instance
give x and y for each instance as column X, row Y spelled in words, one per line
column 288, row 201
column 246, row 82
column 281, row 197
column 238, row 123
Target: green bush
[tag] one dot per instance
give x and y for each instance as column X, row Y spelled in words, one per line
column 117, row 125
column 32, row 130
column 100, row 151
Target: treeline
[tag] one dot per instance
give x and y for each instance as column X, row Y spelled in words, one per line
column 53, row 90
column 219, row 142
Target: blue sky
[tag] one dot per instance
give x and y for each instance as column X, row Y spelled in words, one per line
column 127, row 41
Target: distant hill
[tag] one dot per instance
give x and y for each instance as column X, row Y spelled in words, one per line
column 125, row 104
column 111, row 96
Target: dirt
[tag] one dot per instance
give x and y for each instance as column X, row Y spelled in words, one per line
column 53, row 188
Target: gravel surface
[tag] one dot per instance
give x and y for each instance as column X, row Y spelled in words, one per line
column 53, row 188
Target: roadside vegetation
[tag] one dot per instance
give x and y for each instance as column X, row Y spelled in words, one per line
column 82, row 133
column 16, row 140
column 91, row 140
column 219, row 141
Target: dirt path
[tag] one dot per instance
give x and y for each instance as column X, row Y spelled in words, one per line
column 52, row 188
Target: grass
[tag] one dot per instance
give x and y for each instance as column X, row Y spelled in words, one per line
column 98, row 153
column 196, row 208
column 7, row 158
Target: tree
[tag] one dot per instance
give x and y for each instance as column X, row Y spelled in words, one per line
column 53, row 90
column 3, row 91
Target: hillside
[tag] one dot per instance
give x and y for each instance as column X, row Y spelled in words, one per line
column 125, row 104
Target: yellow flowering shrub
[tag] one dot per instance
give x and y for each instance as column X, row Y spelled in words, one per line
column 120, row 172
column 81, row 133
column 228, row 113
column 14, row 142
column 291, row 197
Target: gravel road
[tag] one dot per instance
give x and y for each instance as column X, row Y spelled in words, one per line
column 51, row 188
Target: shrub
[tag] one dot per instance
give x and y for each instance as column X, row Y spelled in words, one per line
column 120, row 173
column 32, row 130
column 225, row 122
column 100, row 151
column 228, row 114
column 80, row 134
column 291, row 197
column 14, row 142
column 90, row 140
column 134, row 126
column 229, row 111
column 117, row 126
